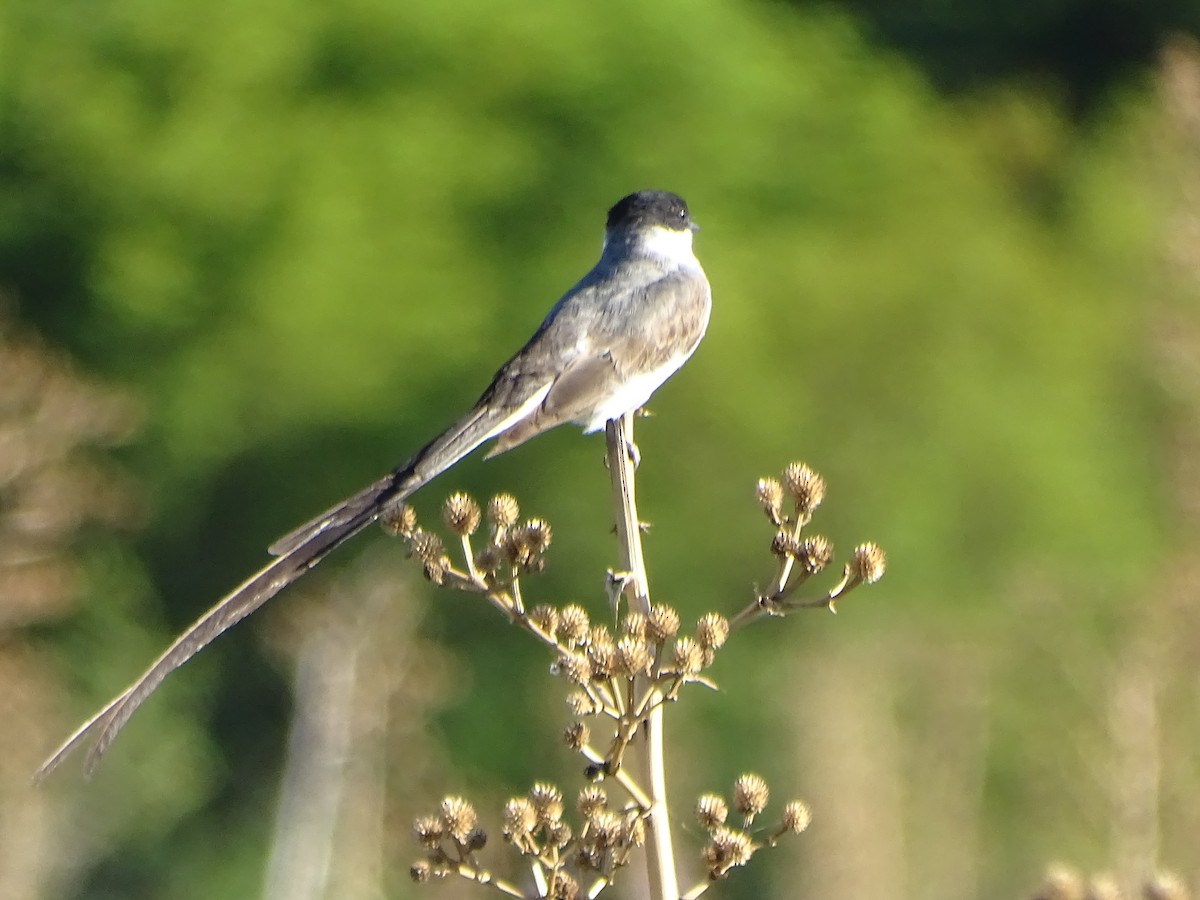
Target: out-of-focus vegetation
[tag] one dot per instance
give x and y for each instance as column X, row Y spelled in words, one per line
column 305, row 235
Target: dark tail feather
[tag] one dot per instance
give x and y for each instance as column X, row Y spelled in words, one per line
column 297, row 552
column 230, row 610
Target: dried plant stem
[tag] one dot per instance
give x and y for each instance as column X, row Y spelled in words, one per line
column 660, row 856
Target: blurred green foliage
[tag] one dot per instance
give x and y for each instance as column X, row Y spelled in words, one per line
column 308, row 233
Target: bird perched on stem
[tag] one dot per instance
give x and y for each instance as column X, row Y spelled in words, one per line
column 602, row 350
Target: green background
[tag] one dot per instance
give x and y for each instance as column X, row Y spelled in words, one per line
column 952, row 270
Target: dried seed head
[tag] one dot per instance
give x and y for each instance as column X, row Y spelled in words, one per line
column 517, row 549
column 633, row 657
column 576, row 735
column 728, row 848
column 580, row 704
column 711, row 631
column 558, row 834
column 785, row 545
column 591, row 800
column 662, row 623
column 604, row 658
column 607, row 828
column 599, row 634
column 769, row 494
column 796, row 817
column 503, row 511
column 711, row 811
column 428, row 831
column 750, row 795
column 688, row 656
column 398, row 519
column 576, row 667
column 458, row 815
column 545, row 619
column 573, row 625
column 867, row 564
column 806, row 486
column 488, row 559
column 634, row 624
column 421, row 872
column 814, row 553
column 461, row 514
column 427, row 547
column 519, row 819
column 537, row 533
column 563, row 887
column 547, row 803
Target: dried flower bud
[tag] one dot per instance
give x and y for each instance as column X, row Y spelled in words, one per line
column 563, row 887
column 576, row 667
column 547, row 802
column 814, row 553
column 599, row 634
column 688, row 656
column 558, row 834
column 428, row 831
column 633, row 657
column 634, row 624
column 806, row 486
column 573, row 625
column 461, row 514
column 503, row 511
column 750, row 795
column 728, row 848
column 427, row 547
column 784, row 545
column 592, row 799
column 488, row 559
column 604, row 659
column 867, row 564
column 711, row 811
column 663, row 623
column 545, row 619
column 607, row 828
column 459, row 817
column 769, row 494
column 576, row 735
column 712, row 631
column 398, row 518
column 580, row 704
column 519, row 819
column 796, row 817
column 537, row 533
column 421, row 872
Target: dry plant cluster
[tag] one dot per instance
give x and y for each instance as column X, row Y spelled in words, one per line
column 618, row 677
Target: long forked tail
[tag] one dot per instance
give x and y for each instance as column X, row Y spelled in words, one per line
column 356, row 513
column 296, row 553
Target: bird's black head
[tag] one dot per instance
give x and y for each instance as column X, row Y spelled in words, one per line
column 647, row 209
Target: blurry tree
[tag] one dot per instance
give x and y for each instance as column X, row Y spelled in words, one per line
column 1085, row 48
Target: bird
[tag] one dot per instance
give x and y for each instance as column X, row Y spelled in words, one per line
column 608, row 343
